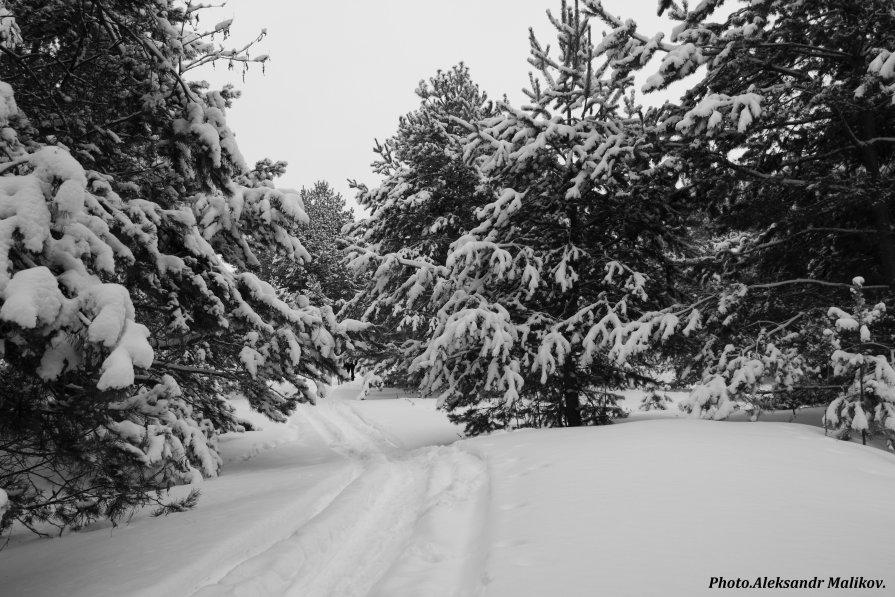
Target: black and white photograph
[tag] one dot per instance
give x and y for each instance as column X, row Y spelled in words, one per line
column 481, row 298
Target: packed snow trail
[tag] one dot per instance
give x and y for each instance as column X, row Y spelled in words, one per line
column 406, row 524
column 341, row 428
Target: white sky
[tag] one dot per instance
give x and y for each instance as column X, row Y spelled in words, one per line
column 342, row 72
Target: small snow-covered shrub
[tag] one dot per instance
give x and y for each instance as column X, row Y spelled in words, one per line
column 867, row 405
column 655, row 401
column 742, row 375
column 602, row 408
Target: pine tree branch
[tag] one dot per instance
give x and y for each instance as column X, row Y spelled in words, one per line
column 162, row 343
column 131, row 116
column 779, row 69
column 196, row 370
column 12, row 164
column 595, row 8
column 794, row 388
column 147, row 45
column 814, row 157
column 791, row 182
column 786, row 324
column 813, row 50
column 50, row 95
column 859, row 145
column 816, row 282
column 800, row 233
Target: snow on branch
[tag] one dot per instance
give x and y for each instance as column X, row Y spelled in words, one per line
column 709, row 114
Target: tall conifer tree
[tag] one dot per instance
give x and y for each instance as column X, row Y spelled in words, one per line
column 130, row 302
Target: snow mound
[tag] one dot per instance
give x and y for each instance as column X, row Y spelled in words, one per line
column 659, row 507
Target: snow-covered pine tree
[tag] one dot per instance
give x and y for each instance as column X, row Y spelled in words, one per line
column 785, row 145
column 323, row 238
column 655, row 400
column 427, row 199
column 129, row 305
column 326, row 279
column 867, row 404
column 576, row 242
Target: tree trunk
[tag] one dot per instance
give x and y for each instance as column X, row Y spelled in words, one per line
column 571, row 384
column 571, row 403
column 572, row 406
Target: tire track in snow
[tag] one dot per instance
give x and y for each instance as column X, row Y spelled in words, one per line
column 344, row 430
column 408, row 525
column 447, row 554
column 322, row 496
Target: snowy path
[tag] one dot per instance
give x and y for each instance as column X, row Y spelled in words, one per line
column 379, row 534
column 326, row 504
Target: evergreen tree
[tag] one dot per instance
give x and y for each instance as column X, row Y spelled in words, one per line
column 532, row 302
column 327, row 278
column 428, row 197
column 129, row 233
column 328, row 272
column 867, row 404
column 784, row 144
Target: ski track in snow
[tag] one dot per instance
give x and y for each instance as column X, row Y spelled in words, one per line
column 392, row 531
column 344, row 430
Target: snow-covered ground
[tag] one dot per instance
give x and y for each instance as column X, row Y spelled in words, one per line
column 382, row 498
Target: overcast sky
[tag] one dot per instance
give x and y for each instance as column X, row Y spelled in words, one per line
column 342, row 72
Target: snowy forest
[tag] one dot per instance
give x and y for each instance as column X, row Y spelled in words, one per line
column 521, row 264
column 526, row 261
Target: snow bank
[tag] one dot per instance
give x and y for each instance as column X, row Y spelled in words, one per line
column 659, row 507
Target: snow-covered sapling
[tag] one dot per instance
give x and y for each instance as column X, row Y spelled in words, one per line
column 867, row 404
column 655, row 401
